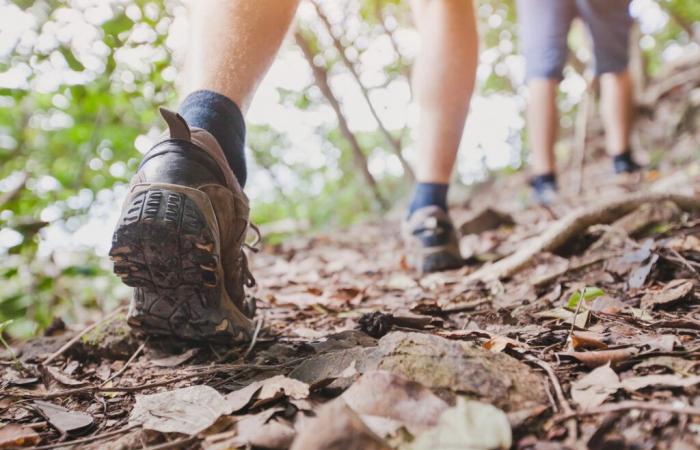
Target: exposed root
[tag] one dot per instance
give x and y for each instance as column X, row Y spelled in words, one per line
column 573, row 223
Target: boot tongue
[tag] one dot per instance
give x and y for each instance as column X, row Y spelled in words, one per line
column 176, row 125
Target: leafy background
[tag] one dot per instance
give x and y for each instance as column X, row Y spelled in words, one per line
column 81, row 80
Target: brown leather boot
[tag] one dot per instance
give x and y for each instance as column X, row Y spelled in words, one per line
column 179, row 240
column 430, row 241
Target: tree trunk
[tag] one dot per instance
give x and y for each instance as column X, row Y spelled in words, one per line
column 393, row 142
column 321, row 77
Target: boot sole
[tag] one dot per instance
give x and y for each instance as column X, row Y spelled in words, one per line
column 164, row 247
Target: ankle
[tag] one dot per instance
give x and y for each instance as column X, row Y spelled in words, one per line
column 221, row 117
column 538, row 181
column 429, row 194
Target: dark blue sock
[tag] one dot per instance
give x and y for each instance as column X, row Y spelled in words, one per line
column 220, row 116
column 429, row 194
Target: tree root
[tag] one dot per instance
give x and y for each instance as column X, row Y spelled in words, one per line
column 573, row 223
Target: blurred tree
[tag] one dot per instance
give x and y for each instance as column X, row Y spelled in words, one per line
column 80, row 82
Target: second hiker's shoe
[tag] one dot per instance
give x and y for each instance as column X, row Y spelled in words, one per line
column 624, row 163
column 544, row 189
column 431, row 241
column 179, row 240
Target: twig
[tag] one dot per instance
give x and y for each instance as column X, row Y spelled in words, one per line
column 628, row 405
column 575, row 222
column 87, row 440
column 137, row 388
column 561, row 398
column 254, row 340
column 573, row 320
column 77, row 337
column 173, row 444
column 679, row 258
column 129, row 361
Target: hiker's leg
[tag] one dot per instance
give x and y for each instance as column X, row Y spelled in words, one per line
column 616, row 108
column 544, row 27
column 609, row 22
column 179, row 240
column 443, row 79
column 232, row 44
column 542, row 124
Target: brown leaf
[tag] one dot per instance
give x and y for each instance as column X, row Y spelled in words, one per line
column 386, row 395
column 64, row 420
column 499, row 343
column 677, row 364
column 606, row 304
column 600, row 357
column 639, row 276
column 62, row 378
column 322, row 369
column 682, row 244
column 584, row 340
column 337, row 427
column 593, row 389
column 264, row 430
column 676, row 290
column 636, row 383
column 15, row 435
column 266, row 391
column 239, row 399
column 188, row 410
column 280, row 385
column 175, row 360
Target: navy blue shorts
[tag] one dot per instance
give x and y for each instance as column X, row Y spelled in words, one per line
column 544, row 28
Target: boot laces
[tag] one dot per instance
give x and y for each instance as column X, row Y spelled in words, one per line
column 248, row 278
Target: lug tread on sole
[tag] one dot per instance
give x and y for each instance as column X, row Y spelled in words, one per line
column 164, row 248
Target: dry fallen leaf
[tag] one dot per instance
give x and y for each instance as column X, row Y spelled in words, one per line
column 468, row 425
column 175, row 360
column 277, row 386
column 265, row 391
column 499, row 343
column 386, row 395
column 565, row 314
column 62, row 378
column 64, row 420
column 671, row 380
column 337, row 427
column 188, row 410
column 677, row 364
column 600, row 357
column 264, row 430
column 14, row 435
column 675, row 291
column 594, row 388
column 584, row 340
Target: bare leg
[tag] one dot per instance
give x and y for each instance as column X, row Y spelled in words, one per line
column 444, row 75
column 616, row 109
column 234, row 43
column 542, row 124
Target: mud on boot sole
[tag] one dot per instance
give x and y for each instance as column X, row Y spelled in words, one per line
column 165, row 249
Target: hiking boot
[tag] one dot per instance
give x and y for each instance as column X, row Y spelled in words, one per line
column 544, row 189
column 179, row 240
column 625, row 164
column 431, row 241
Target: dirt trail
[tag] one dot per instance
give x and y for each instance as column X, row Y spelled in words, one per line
column 590, row 340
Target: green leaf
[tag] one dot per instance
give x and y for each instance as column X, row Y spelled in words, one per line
column 72, row 61
column 589, row 293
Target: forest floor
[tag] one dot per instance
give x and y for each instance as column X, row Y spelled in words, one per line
column 576, row 326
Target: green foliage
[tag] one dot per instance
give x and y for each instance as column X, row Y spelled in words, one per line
column 86, row 81
column 588, row 294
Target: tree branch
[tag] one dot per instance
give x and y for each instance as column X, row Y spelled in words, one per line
column 321, row 77
column 393, row 142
